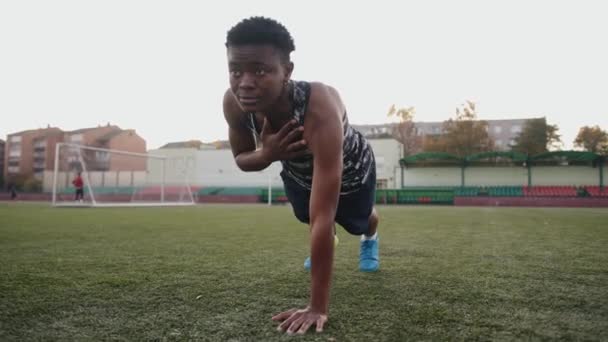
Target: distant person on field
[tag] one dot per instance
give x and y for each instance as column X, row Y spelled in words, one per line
column 329, row 170
column 13, row 190
column 79, row 185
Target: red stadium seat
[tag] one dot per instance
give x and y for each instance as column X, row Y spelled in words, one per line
column 550, row 191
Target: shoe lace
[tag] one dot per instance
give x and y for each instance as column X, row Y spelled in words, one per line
column 366, row 247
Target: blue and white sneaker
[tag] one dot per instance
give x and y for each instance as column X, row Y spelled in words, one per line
column 307, row 264
column 307, row 261
column 369, row 260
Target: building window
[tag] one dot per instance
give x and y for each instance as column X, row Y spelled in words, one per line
column 76, row 138
column 102, row 156
column 381, row 184
column 15, row 139
column 13, row 169
column 499, row 143
column 379, row 163
column 516, row 129
column 40, row 144
column 14, row 150
column 497, row 129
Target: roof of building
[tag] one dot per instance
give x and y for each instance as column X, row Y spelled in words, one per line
column 88, row 129
column 39, row 130
column 216, row 145
column 381, row 131
column 389, row 124
column 221, row 144
column 184, row 144
column 385, row 130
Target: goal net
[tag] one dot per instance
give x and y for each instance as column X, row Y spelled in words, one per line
column 111, row 178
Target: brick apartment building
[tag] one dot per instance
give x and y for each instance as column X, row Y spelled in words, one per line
column 30, row 153
column 107, row 137
column 503, row 132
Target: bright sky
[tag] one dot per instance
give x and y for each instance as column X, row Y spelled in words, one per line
column 159, row 67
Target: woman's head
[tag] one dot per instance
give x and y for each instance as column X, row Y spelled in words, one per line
column 259, row 62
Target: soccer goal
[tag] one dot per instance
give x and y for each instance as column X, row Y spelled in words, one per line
column 111, row 178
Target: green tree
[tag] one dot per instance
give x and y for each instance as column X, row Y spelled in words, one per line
column 405, row 131
column 465, row 135
column 537, row 137
column 592, row 139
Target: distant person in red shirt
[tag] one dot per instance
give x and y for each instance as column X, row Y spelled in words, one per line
column 79, row 185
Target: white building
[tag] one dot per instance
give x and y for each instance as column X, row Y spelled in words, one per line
column 388, row 151
column 216, row 167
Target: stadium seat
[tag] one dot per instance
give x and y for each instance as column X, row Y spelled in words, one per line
column 415, row 195
column 595, row 191
column 550, row 191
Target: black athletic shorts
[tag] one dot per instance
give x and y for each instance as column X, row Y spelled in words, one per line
column 353, row 208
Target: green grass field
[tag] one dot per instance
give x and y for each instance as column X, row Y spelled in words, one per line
column 218, row 273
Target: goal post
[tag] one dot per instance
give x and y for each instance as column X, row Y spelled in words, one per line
column 113, row 178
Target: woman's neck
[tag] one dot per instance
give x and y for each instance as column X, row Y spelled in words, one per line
column 282, row 111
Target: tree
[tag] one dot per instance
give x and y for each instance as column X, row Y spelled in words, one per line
column 405, row 131
column 592, row 139
column 466, row 135
column 434, row 143
column 537, row 137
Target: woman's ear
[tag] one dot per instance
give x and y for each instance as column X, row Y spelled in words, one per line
column 288, row 70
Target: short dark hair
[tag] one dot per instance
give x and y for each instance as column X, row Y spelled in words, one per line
column 261, row 30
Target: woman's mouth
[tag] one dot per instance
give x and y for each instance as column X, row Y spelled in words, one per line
column 248, row 100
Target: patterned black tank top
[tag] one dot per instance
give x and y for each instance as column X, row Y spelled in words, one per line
column 358, row 157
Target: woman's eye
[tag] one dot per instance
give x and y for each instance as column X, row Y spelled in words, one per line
column 235, row 73
column 260, row 72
